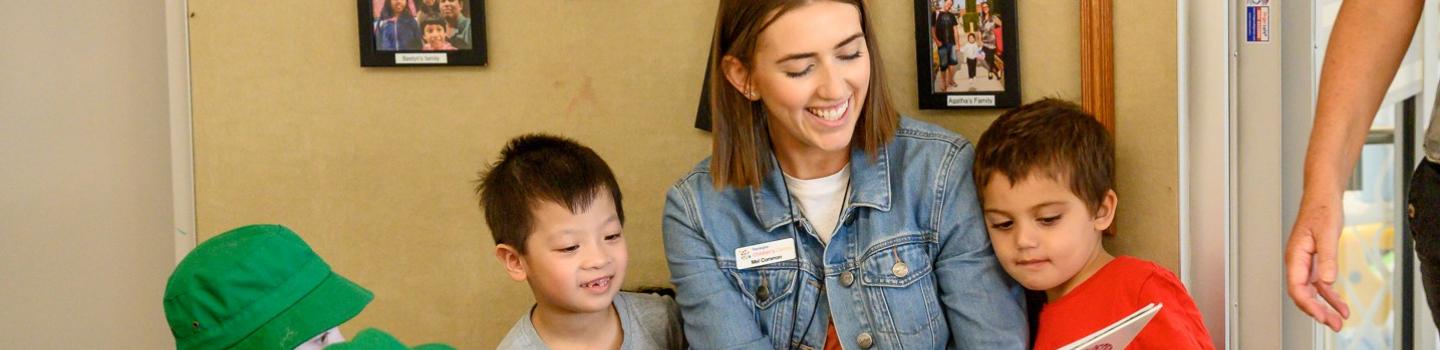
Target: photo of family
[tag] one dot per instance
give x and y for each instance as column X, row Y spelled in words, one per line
column 964, row 48
column 423, row 25
column 391, row 27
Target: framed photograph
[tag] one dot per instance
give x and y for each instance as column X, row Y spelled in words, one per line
column 967, row 55
column 422, row 33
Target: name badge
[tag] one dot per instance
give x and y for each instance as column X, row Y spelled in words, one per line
column 765, row 253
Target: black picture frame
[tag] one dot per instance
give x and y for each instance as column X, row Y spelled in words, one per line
column 983, row 92
column 404, row 51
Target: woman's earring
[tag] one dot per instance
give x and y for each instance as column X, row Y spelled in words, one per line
column 752, row 95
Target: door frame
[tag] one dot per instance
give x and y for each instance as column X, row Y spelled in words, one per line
column 182, row 156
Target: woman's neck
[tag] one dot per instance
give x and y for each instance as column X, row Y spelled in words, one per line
column 812, row 166
column 808, row 163
column 568, row 330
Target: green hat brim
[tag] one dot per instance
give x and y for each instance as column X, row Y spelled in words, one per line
column 333, row 302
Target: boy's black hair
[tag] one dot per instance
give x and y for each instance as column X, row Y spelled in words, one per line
column 534, row 168
column 431, row 21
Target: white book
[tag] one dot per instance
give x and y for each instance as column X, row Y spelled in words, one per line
column 1119, row 334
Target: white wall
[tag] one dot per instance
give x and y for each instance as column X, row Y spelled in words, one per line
column 1205, row 161
column 85, row 189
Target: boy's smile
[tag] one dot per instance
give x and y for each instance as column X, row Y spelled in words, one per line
column 435, row 35
column 598, row 285
column 575, row 262
column 1043, row 234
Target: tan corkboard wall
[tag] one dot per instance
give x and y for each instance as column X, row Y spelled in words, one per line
column 374, row 167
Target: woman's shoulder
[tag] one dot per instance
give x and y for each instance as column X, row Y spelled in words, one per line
column 914, row 132
column 698, row 185
column 916, row 139
column 699, row 174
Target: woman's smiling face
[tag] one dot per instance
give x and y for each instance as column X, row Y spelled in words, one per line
column 811, row 72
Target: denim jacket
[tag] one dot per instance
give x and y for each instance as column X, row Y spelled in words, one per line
column 909, row 267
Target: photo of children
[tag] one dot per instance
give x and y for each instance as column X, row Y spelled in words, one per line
column 421, row 33
column 401, row 25
column 967, row 36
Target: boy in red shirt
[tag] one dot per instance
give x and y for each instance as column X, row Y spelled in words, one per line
column 1045, row 172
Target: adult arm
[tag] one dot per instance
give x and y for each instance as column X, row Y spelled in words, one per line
column 715, row 314
column 985, row 309
column 1366, row 46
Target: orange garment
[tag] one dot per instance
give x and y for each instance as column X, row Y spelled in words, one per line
column 832, row 341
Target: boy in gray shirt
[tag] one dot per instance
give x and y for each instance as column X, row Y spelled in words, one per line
column 646, row 319
column 554, row 209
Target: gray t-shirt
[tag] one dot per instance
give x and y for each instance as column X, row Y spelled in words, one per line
column 649, row 321
column 1432, row 135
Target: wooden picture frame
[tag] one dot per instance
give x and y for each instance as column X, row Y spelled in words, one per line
column 1097, row 61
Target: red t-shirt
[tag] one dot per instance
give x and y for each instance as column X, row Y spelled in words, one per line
column 1120, row 288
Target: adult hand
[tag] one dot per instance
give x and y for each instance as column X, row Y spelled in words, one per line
column 1310, row 263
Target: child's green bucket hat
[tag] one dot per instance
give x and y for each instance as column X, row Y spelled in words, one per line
column 256, row 287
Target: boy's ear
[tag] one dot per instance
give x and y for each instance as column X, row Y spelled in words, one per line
column 739, row 77
column 510, row 258
column 1105, row 213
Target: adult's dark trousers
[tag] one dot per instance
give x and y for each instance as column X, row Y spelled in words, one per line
column 1423, row 211
column 990, row 61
